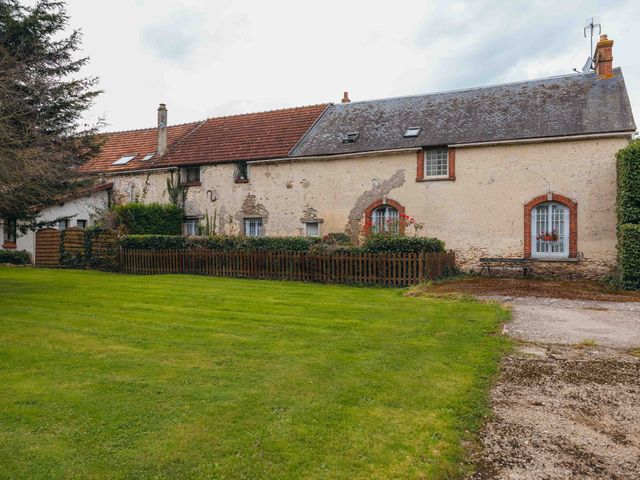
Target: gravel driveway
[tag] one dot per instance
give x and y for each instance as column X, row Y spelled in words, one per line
column 567, row 403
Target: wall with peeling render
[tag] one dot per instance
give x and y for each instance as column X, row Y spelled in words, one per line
column 480, row 213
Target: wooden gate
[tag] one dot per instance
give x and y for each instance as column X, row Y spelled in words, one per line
column 48, row 247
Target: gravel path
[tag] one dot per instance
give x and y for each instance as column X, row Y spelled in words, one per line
column 562, row 407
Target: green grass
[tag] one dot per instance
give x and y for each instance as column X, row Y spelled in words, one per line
column 111, row 376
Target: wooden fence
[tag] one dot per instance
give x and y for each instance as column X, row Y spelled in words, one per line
column 342, row 267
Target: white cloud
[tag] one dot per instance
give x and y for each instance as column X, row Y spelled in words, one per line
column 214, row 58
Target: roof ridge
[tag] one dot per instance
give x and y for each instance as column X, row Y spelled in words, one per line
column 151, row 128
column 469, row 89
column 271, row 111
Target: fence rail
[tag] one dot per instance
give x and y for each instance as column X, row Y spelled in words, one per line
column 392, row 269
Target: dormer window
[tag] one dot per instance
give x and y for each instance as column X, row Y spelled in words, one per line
column 350, row 137
column 412, row 132
column 123, row 160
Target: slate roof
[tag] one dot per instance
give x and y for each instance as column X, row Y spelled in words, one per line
column 557, row 106
column 251, row 136
column 139, row 142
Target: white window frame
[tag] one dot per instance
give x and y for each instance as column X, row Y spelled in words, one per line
column 381, row 216
column 543, row 248
column 306, row 229
column 190, row 227
column 436, row 151
column 253, row 227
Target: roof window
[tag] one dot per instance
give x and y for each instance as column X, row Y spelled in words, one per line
column 350, row 137
column 123, row 160
column 148, row 156
column 412, row 132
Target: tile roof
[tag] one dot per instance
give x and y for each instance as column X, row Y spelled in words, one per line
column 139, row 142
column 558, row 106
column 251, row 136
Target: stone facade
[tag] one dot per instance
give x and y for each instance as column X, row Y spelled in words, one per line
column 479, row 212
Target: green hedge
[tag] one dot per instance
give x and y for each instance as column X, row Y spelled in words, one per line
column 628, row 205
column 15, row 257
column 103, row 256
column 337, row 238
column 380, row 243
column 173, row 242
column 149, row 219
column 629, row 256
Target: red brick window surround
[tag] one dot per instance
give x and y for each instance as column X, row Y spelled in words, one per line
column 387, row 202
column 573, row 221
column 421, row 171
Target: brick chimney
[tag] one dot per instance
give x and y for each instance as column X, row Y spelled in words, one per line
column 603, row 57
column 345, row 98
column 162, row 129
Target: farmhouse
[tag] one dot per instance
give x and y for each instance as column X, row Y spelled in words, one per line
column 525, row 169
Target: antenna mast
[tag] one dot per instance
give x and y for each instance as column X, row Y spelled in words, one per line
column 594, row 23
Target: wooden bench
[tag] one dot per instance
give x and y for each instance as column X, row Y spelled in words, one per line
column 516, row 263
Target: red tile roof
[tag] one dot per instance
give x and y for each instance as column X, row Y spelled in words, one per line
column 251, row 136
column 130, row 142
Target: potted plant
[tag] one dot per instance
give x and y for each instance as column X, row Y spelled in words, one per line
column 548, row 236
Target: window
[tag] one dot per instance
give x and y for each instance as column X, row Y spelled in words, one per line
column 190, row 226
column 190, row 176
column 241, row 172
column 350, row 137
column 63, row 224
column 81, row 223
column 412, row 132
column 253, row 227
column 148, row 156
column 436, row 162
column 384, row 219
column 550, row 230
column 312, row 229
column 10, row 232
column 125, row 159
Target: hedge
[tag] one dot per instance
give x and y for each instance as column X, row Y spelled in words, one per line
column 381, row 243
column 628, row 204
column 629, row 256
column 173, row 242
column 15, row 257
column 152, row 218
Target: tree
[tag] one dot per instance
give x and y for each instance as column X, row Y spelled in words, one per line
column 42, row 100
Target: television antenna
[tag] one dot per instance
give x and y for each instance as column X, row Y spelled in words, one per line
column 592, row 26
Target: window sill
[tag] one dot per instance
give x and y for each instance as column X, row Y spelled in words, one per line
column 9, row 245
column 556, row 260
column 240, row 180
column 435, row 179
column 190, row 184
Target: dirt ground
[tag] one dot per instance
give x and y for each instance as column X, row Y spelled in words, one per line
column 567, row 402
column 531, row 287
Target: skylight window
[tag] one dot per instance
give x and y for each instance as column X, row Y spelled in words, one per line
column 148, row 156
column 350, row 137
column 412, row 132
column 125, row 159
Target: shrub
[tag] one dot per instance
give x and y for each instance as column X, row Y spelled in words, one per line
column 628, row 164
column 337, row 238
column 15, row 257
column 101, row 249
column 629, row 256
column 228, row 243
column 154, row 242
column 381, row 243
column 146, row 219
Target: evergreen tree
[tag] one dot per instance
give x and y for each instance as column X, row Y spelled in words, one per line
column 42, row 100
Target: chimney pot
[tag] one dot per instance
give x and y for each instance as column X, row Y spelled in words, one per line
column 603, row 57
column 345, row 98
column 162, row 129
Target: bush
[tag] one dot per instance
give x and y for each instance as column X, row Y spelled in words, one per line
column 629, row 256
column 227, row 243
column 15, row 257
column 381, row 243
column 337, row 238
column 149, row 219
column 101, row 249
column 628, row 204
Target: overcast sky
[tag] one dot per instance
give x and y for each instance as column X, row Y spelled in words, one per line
column 209, row 58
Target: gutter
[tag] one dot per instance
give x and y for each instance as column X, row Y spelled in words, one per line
column 628, row 133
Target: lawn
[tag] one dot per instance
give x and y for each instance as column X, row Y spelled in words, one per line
column 111, row 376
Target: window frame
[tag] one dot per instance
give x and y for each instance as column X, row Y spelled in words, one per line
column 85, row 223
column 422, row 165
column 247, row 231
column 306, row 229
column 368, row 214
column 9, row 233
column 563, row 236
column 184, row 176
column 61, row 222
column 238, row 169
column 529, row 237
column 195, row 221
